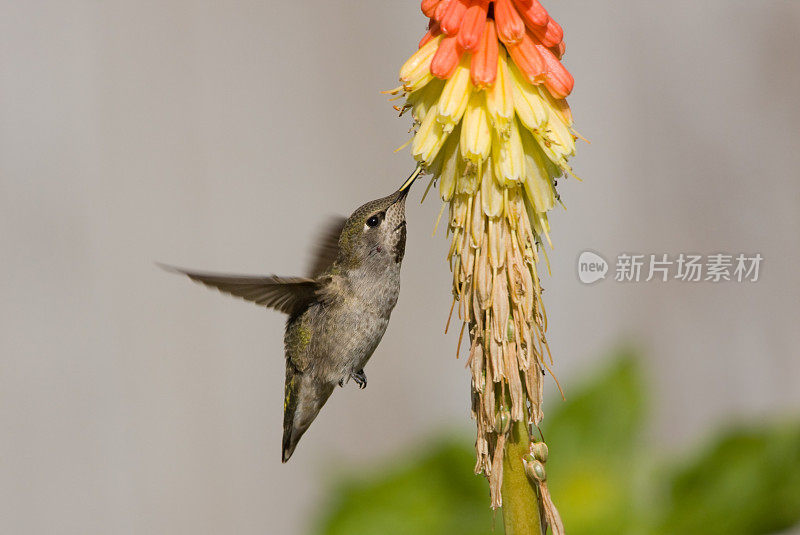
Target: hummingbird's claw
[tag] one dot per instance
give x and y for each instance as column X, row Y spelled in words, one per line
column 360, row 378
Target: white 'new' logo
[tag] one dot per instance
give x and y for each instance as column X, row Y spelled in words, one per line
column 591, row 267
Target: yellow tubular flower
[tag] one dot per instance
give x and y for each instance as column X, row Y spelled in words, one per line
column 538, row 184
column 562, row 136
column 491, row 194
column 500, row 99
column 560, row 106
column 531, row 108
column 476, row 137
column 449, row 173
column 469, row 180
column 425, row 99
column 429, row 139
column 416, row 72
column 455, row 97
column 509, row 159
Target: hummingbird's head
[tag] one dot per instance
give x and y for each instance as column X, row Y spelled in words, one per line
column 376, row 231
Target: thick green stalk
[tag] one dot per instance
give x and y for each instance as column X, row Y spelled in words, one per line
column 520, row 498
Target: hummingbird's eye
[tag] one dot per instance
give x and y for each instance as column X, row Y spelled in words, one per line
column 374, row 221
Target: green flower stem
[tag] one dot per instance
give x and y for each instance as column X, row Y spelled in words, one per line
column 520, row 498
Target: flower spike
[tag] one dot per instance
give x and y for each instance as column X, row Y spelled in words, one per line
column 487, row 92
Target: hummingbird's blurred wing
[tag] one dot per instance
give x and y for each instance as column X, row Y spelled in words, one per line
column 327, row 246
column 285, row 294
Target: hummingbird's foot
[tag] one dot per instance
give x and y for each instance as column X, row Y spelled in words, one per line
column 360, row 378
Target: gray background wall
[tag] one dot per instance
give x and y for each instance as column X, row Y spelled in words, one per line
column 219, row 135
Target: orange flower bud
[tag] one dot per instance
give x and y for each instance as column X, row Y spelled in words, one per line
column 453, row 15
column 510, row 27
column 528, row 59
column 550, row 35
column 446, row 59
column 483, row 68
column 440, row 10
column 469, row 37
column 532, row 12
column 429, row 7
column 558, row 79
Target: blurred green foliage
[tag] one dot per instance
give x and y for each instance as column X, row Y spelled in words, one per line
column 429, row 494
column 603, row 477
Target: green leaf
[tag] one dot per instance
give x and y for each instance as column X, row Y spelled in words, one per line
column 746, row 483
column 594, row 440
column 432, row 494
column 603, row 417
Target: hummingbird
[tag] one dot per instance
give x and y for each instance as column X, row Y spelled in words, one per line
column 337, row 315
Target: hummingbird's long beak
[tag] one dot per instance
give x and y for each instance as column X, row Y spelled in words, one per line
column 406, row 187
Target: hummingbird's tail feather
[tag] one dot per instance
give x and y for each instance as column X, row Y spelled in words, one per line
column 303, row 400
